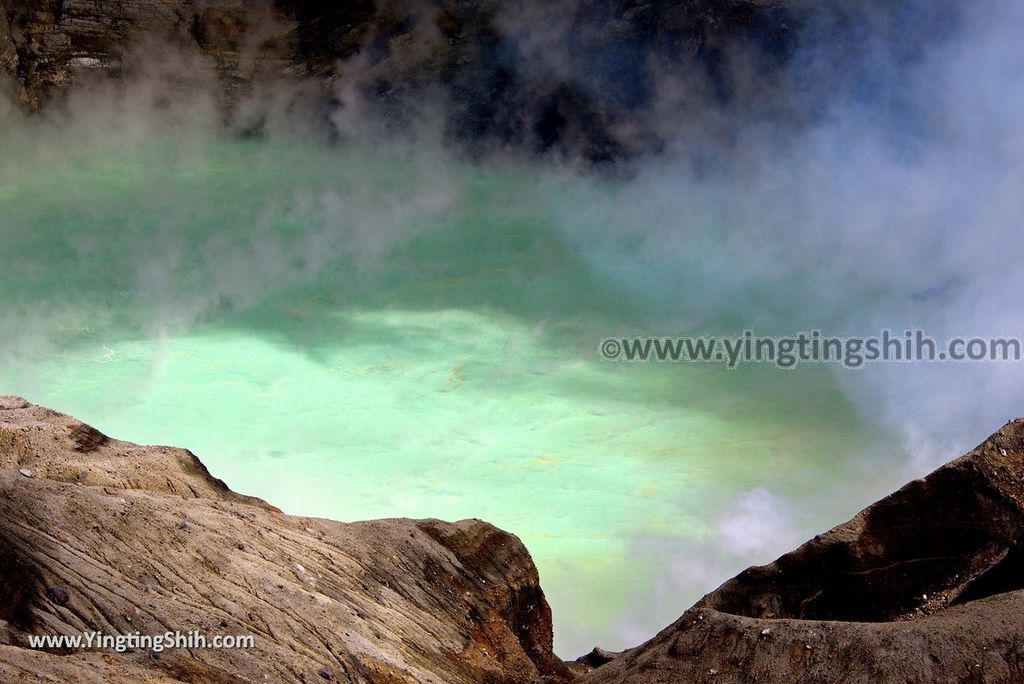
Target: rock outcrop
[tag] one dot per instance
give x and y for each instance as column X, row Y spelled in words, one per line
column 927, row 585
column 592, row 80
column 539, row 75
column 102, row 535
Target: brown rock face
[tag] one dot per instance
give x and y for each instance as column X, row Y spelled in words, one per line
column 8, row 53
column 103, row 535
column 926, row 585
column 56, row 43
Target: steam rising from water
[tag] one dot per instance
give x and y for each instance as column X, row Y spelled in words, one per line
column 377, row 328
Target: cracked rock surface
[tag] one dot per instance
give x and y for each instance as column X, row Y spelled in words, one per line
column 120, row 538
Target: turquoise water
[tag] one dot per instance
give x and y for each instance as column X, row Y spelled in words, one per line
column 355, row 333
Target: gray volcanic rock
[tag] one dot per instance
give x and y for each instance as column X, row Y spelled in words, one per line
column 927, row 585
column 119, row 538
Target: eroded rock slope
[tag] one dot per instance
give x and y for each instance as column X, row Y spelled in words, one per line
column 99, row 534
column 927, row 585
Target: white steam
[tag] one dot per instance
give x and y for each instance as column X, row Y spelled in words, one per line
column 862, row 220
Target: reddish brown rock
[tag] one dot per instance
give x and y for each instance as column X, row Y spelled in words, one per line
column 927, row 585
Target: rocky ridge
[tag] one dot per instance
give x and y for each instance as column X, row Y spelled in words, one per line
column 927, row 585
column 102, row 535
column 98, row 534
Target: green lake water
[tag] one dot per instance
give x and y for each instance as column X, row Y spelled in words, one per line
column 367, row 333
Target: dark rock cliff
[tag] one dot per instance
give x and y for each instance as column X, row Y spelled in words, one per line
column 565, row 76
